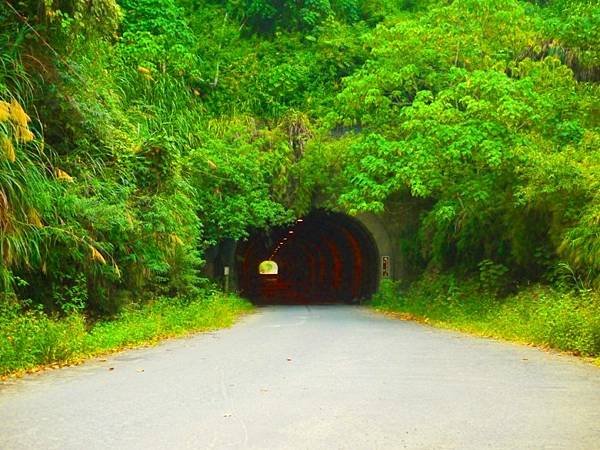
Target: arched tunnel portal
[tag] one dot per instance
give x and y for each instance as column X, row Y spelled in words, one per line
column 323, row 257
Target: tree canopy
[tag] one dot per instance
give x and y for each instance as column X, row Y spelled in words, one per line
column 136, row 133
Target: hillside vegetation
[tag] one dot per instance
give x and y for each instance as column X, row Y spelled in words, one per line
column 136, row 133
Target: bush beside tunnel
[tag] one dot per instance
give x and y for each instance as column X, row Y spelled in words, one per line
column 322, row 258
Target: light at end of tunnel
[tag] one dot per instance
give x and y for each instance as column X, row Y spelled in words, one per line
column 268, row 267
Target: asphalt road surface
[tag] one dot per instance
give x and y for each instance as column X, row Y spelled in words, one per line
column 330, row 377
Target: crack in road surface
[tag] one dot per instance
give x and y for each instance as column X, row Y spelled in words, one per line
column 331, row 377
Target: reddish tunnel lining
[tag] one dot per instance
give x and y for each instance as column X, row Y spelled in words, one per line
column 330, row 257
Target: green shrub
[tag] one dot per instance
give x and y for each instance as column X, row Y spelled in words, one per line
column 541, row 315
column 29, row 338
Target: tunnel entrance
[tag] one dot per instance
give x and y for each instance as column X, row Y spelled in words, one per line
column 321, row 258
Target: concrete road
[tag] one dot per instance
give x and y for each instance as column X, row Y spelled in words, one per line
column 329, row 377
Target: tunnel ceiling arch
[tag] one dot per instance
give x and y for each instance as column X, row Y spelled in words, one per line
column 323, row 257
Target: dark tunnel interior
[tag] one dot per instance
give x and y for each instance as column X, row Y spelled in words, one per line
column 322, row 258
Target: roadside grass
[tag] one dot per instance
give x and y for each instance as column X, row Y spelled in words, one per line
column 538, row 315
column 30, row 339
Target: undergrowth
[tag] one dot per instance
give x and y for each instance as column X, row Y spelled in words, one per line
column 32, row 338
column 538, row 314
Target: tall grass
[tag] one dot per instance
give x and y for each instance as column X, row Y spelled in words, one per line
column 539, row 315
column 29, row 339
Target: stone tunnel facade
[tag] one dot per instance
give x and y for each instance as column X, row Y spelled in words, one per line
column 324, row 257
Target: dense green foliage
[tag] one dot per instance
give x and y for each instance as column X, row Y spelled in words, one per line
column 31, row 338
column 452, row 109
column 537, row 315
column 136, row 133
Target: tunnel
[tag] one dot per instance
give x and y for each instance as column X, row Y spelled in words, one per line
column 321, row 258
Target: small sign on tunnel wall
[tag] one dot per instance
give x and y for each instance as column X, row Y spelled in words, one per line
column 385, row 266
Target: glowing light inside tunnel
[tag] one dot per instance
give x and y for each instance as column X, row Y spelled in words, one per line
column 268, row 267
column 323, row 257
